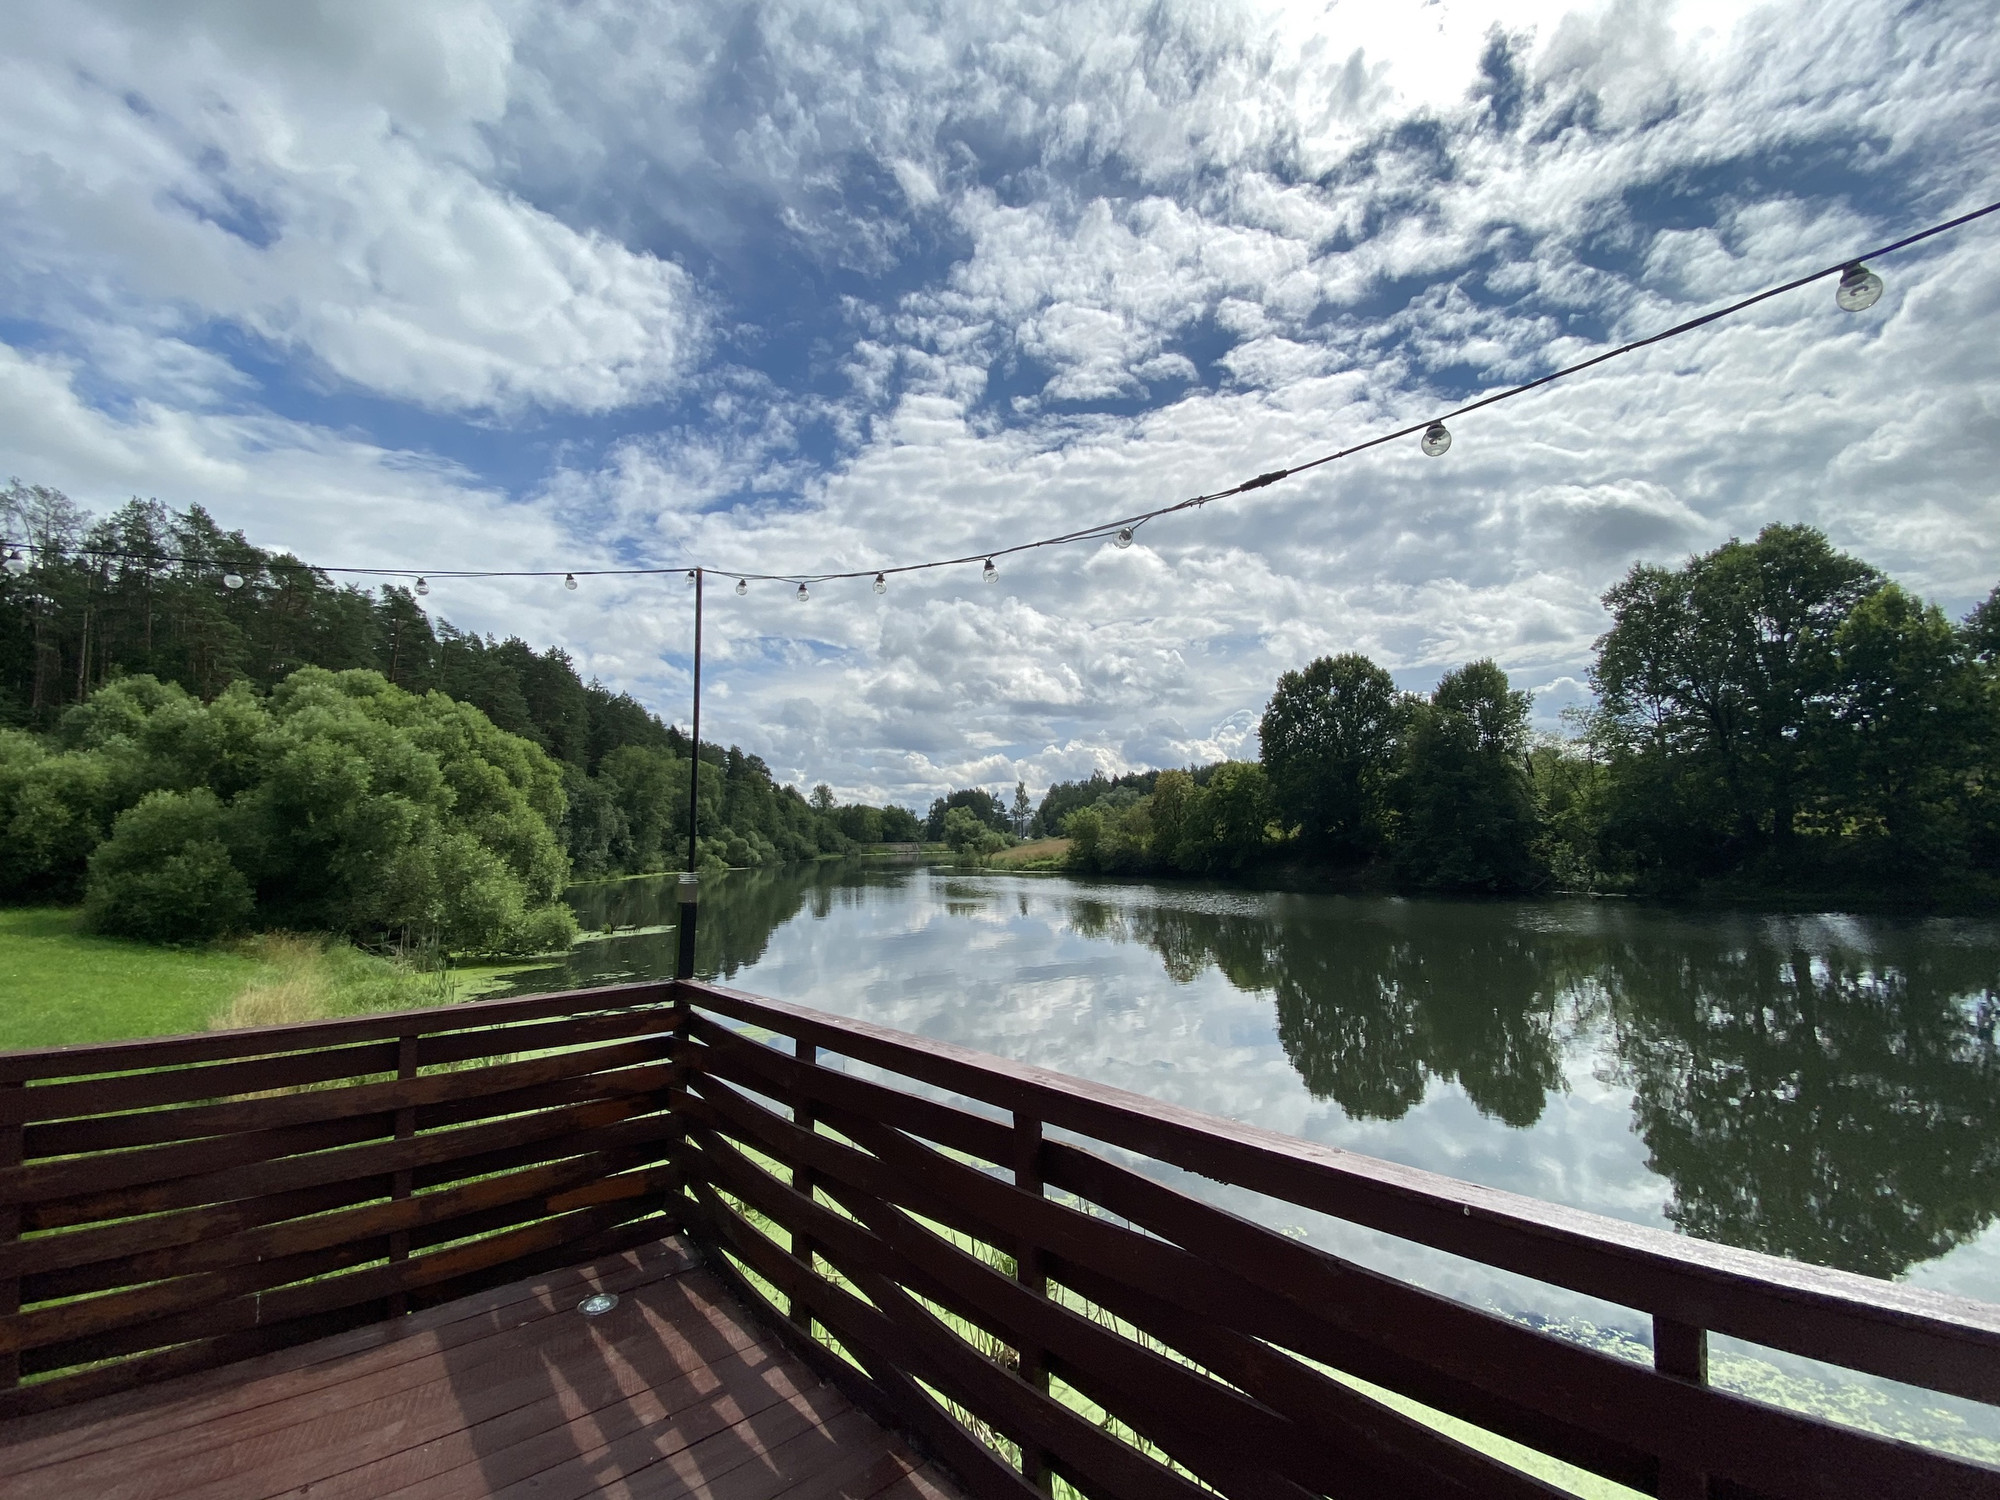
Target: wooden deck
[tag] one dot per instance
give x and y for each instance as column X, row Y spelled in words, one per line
column 675, row 1392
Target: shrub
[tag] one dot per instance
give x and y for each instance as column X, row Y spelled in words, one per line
column 165, row 874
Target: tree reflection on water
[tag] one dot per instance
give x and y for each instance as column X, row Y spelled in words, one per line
column 1802, row 1097
column 1821, row 1088
column 1819, row 1106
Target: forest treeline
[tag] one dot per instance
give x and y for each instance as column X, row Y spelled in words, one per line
column 197, row 634
column 1772, row 716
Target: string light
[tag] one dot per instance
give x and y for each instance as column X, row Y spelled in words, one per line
column 16, row 563
column 990, row 573
column 742, row 587
column 803, row 594
column 232, row 580
column 569, row 582
column 1859, row 289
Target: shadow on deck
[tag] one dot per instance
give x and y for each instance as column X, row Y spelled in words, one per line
column 676, row 1391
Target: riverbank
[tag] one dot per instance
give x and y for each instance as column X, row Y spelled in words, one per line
column 61, row 986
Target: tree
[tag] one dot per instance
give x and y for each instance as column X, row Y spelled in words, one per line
column 976, row 800
column 822, row 798
column 1227, row 823
column 1722, row 674
column 1981, row 629
column 339, row 803
column 1330, row 739
column 1023, row 811
column 1910, row 720
column 1468, row 811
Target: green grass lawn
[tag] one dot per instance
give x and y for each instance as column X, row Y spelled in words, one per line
column 60, row 985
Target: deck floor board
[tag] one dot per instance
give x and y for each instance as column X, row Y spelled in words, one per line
column 674, row 1393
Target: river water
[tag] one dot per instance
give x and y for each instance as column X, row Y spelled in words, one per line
column 1822, row 1087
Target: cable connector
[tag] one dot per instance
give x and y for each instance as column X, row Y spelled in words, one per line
column 1262, row 479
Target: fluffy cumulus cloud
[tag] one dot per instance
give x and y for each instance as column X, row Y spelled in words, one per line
column 801, row 288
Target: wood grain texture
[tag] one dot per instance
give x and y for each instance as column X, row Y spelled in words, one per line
column 1928, row 1338
column 676, row 1392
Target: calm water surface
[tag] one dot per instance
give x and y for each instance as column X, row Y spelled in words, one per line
column 1820, row 1087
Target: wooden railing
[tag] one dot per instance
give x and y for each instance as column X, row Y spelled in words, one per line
column 1028, row 1307
column 924, row 1239
column 173, row 1204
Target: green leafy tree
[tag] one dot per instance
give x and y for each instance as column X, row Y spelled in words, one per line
column 1913, row 715
column 338, row 803
column 1718, row 681
column 1227, row 823
column 1330, row 741
column 1468, row 811
column 976, row 800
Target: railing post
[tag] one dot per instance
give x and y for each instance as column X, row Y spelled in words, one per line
column 13, row 1126
column 806, row 1117
column 1680, row 1351
column 690, row 894
column 405, row 1181
column 1029, row 1271
column 678, row 1080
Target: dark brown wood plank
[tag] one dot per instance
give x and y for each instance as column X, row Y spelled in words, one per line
column 714, row 1431
column 163, row 1086
column 683, row 1398
column 279, row 1161
column 619, row 1407
column 423, row 1409
column 566, row 1032
column 87, row 1058
column 1204, row 1289
column 1924, row 1337
column 727, row 1055
column 135, row 1415
column 1771, row 1450
column 886, row 1393
column 1229, row 1440
column 244, row 1304
column 899, row 1330
column 150, row 1127
column 96, row 1257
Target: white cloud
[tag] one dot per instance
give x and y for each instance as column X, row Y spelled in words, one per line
column 1066, row 266
column 323, row 183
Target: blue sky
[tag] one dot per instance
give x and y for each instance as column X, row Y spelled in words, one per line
column 803, row 287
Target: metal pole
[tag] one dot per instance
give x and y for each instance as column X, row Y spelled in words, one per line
column 690, row 882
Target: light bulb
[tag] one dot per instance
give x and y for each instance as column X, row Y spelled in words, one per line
column 569, row 581
column 881, row 584
column 1124, row 537
column 690, row 577
column 1859, row 288
column 16, row 563
column 1437, row 441
column 991, row 573
column 232, row 580
column 742, row 586
column 802, row 595
column 423, row 586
